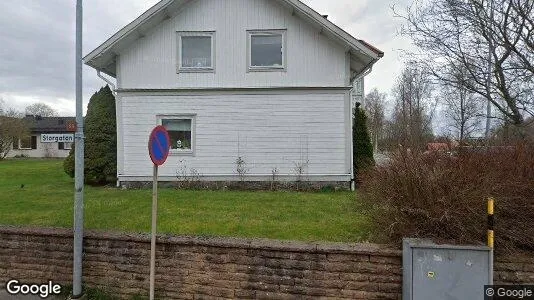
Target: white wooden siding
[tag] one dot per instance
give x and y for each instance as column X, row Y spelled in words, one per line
column 274, row 130
column 312, row 58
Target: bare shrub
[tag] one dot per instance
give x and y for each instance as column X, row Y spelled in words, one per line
column 241, row 168
column 299, row 170
column 444, row 197
column 188, row 178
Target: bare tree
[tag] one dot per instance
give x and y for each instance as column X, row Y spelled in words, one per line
column 12, row 128
column 375, row 107
column 413, row 111
column 455, row 35
column 463, row 109
column 41, row 109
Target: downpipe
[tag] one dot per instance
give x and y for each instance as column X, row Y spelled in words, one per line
column 111, row 84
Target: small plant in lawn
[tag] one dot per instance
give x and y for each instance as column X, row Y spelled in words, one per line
column 241, row 168
column 188, row 178
column 299, row 169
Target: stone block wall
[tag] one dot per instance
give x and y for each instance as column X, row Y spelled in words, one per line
column 218, row 268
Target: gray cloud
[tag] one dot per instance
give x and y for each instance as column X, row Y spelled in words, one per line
column 37, row 41
column 37, row 48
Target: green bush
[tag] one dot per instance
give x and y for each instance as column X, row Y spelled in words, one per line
column 68, row 163
column 444, row 197
column 362, row 147
column 100, row 140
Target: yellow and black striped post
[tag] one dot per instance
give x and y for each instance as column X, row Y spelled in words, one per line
column 491, row 222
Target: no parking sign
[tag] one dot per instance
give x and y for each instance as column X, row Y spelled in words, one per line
column 159, row 144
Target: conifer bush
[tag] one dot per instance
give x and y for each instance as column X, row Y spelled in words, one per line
column 362, row 147
column 100, row 140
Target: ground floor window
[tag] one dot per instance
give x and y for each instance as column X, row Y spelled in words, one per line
column 64, row 146
column 28, row 143
column 181, row 132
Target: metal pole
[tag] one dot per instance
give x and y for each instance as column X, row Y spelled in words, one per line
column 490, row 68
column 154, row 224
column 79, row 163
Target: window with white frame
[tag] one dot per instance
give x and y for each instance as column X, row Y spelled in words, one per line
column 266, row 50
column 64, row 145
column 181, row 131
column 196, row 51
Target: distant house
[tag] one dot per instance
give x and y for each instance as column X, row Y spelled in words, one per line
column 438, row 148
column 48, row 137
column 262, row 86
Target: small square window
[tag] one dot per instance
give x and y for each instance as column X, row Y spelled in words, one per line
column 181, row 132
column 266, row 50
column 28, row 143
column 64, row 146
column 195, row 52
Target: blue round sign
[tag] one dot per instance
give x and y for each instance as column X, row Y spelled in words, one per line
column 159, row 144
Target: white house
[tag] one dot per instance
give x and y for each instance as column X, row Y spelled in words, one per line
column 267, row 81
column 48, row 137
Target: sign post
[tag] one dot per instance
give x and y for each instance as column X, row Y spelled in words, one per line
column 158, row 147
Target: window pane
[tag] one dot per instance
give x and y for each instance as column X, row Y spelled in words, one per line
column 196, row 52
column 266, row 50
column 64, row 146
column 179, row 132
column 26, row 143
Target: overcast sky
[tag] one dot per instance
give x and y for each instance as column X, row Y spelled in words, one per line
column 37, row 43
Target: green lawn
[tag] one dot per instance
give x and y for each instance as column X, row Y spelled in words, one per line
column 48, row 193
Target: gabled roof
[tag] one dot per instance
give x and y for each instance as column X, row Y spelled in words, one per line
column 38, row 124
column 363, row 55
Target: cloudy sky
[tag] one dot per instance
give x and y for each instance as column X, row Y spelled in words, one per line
column 37, row 39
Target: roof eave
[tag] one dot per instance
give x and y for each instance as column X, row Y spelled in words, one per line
column 109, row 43
column 334, row 29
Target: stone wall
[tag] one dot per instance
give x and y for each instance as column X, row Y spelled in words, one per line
column 209, row 268
column 198, row 184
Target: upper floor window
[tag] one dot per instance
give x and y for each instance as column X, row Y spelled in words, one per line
column 266, row 50
column 196, row 52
